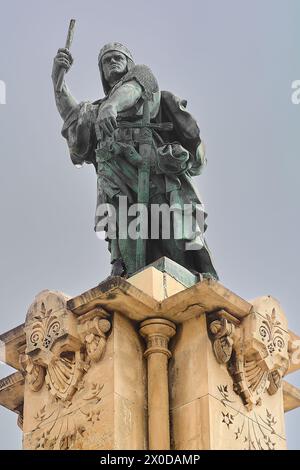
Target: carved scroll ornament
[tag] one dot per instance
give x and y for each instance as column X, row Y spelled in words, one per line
column 256, row 352
column 61, row 346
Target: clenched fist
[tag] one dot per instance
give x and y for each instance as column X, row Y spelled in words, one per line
column 107, row 118
column 62, row 60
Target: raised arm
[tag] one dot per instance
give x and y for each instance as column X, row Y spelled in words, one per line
column 64, row 100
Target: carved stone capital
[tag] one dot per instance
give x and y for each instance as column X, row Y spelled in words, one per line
column 157, row 333
column 256, row 351
column 60, row 345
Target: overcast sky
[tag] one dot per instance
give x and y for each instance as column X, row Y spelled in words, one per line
column 234, row 62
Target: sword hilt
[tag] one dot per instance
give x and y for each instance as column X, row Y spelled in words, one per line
column 163, row 126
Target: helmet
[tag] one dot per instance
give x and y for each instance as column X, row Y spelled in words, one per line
column 113, row 46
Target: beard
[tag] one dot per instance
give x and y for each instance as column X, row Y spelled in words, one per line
column 115, row 76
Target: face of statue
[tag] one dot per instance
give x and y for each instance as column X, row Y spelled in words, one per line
column 114, row 65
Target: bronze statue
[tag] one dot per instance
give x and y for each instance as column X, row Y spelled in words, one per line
column 145, row 147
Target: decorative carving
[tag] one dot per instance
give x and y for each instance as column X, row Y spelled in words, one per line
column 60, row 346
column 93, row 333
column 256, row 352
column 57, row 430
column 275, row 380
column 45, row 441
column 222, row 331
column 256, row 430
column 64, row 373
column 227, row 419
column 34, row 372
column 70, row 438
column 94, row 393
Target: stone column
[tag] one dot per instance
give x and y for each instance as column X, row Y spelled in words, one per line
column 157, row 333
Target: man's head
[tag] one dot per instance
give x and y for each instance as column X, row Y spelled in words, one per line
column 114, row 61
column 114, row 66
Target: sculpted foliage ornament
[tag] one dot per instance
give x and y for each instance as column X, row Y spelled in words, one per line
column 58, row 430
column 255, row 431
column 256, row 351
column 60, row 347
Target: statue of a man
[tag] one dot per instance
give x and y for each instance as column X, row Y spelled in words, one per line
column 144, row 146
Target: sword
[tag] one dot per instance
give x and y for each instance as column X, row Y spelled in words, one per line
column 145, row 148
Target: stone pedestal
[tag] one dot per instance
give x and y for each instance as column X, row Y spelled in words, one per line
column 85, row 379
column 212, row 408
column 157, row 361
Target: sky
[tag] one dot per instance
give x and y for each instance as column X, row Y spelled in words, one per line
column 234, row 62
